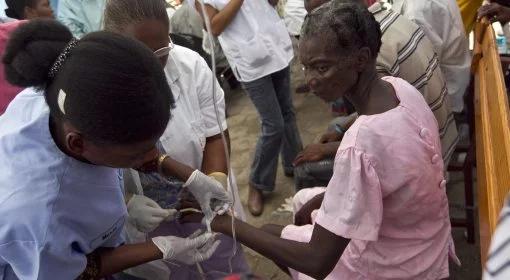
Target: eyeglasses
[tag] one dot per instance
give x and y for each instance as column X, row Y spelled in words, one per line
column 165, row 50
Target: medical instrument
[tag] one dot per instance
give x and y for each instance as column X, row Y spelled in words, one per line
column 220, row 125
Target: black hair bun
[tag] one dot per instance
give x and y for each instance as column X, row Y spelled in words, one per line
column 31, row 51
column 11, row 13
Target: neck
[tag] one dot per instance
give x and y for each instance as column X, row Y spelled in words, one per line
column 371, row 95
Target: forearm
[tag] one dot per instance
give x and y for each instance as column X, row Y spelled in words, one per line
column 214, row 155
column 220, row 20
column 287, row 253
column 116, row 260
column 173, row 168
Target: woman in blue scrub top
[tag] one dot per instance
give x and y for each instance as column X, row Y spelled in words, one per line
column 94, row 105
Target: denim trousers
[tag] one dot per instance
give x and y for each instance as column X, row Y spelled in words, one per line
column 272, row 98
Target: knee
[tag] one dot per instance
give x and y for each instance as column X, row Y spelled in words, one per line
column 274, row 127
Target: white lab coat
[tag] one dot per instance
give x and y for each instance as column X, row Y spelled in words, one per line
column 442, row 22
column 193, row 118
column 53, row 209
column 256, row 42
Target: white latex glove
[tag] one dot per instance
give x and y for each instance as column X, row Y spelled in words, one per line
column 146, row 215
column 209, row 193
column 195, row 248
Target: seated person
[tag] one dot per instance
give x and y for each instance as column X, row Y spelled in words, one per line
column 442, row 23
column 405, row 53
column 385, row 210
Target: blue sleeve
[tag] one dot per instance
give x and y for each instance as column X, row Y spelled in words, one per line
column 68, row 15
column 28, row 261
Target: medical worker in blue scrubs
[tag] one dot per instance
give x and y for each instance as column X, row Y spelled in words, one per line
column 92, row 106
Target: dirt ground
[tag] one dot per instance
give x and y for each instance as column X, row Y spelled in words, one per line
column 313, row 116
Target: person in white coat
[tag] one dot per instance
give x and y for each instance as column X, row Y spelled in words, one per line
column 259, row 50
column 192, row 138
column 62, row 142
column 442, row 23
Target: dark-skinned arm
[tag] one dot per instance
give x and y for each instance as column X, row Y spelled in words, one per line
column 214, row 154
column 325, row 248
column 220, row 20
column 108, row 261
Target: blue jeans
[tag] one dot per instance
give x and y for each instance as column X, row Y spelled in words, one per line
column 272, row 98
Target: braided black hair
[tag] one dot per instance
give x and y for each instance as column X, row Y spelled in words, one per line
column 116, row 90
column 349, row 21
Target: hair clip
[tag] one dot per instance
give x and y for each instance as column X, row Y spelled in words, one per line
column 61, row 99
column 57, row 65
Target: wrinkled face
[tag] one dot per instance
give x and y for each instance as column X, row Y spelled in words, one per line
column 153, row 33
column 329, row 75
column 41, row 9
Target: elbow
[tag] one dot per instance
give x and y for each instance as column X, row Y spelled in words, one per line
column 324, row 265
column 321, row 271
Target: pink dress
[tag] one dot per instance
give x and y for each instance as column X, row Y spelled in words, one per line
column 7, row 91
column 387, row 195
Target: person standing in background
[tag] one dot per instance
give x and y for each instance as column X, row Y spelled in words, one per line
column 442, row 23
column 28, row 9
column 81, row 16
column 294, row 16
column 258, row 47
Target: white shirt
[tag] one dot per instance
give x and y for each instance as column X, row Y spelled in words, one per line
column 442, row 22
column 256, row 43
column 193, row 118
column 53, row 209
column 295, row 13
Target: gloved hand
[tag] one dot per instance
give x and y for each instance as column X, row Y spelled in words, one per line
column 195, row 248
column 146, row 215
column 209, row 193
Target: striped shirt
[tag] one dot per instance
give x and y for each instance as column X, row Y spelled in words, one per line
column 408, row 54
column 498, row 261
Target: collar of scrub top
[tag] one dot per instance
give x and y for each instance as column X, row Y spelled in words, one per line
column 172, row 72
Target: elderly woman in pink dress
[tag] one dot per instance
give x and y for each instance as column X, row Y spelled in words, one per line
column 384, row 214
column 7, row 91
